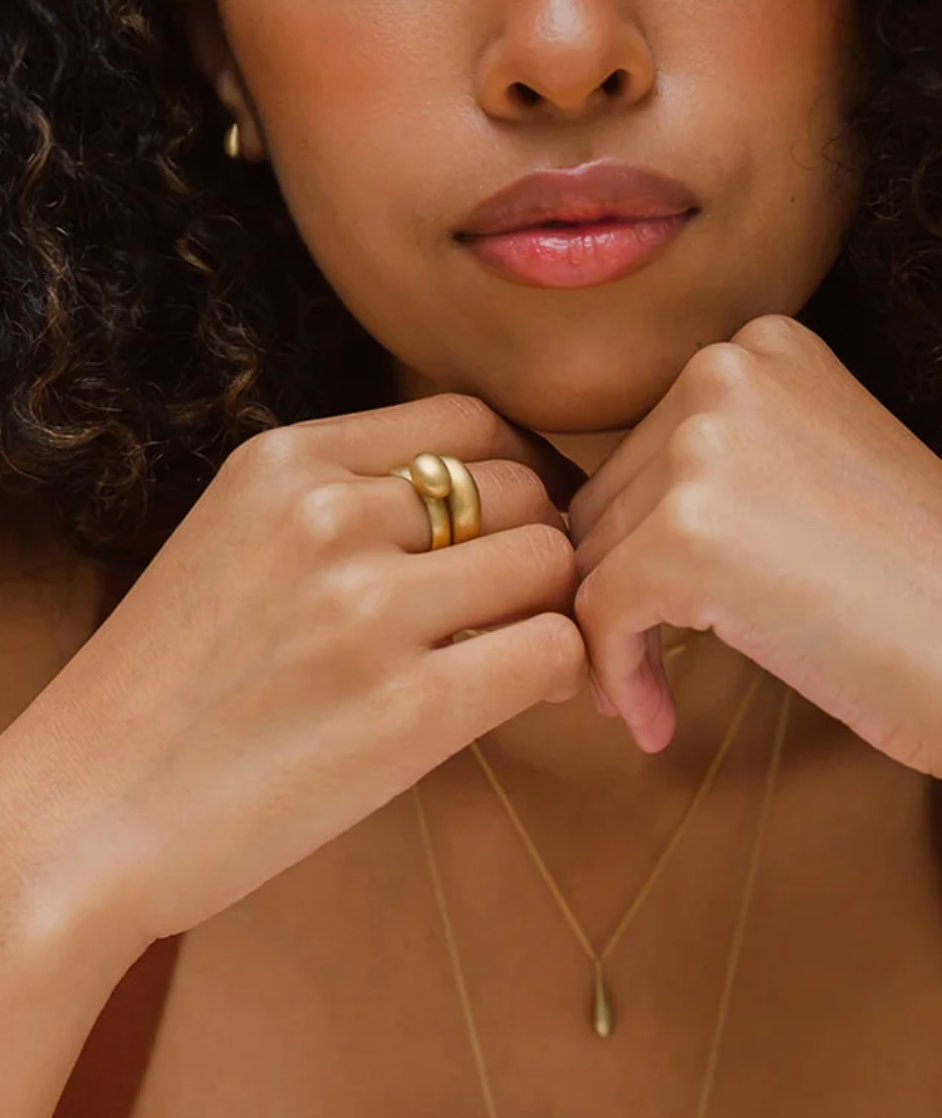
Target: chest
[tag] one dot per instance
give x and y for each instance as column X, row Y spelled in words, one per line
column 333, row 992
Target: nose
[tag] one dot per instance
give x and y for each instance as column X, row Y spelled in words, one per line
column 564, row 59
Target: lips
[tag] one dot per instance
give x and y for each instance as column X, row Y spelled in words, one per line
column 577, row 227
column 593, row 193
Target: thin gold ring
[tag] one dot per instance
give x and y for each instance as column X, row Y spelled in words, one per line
column 438, row 517
column 464, row 501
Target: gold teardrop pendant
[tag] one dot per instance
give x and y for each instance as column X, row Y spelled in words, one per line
column 603, row 1017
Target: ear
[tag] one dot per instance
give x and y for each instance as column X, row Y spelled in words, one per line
column 212, row 54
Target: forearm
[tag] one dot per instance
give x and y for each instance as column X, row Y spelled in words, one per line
column 63, row 948
column 53, row 985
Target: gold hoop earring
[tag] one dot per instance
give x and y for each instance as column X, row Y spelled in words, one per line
column 233, row 141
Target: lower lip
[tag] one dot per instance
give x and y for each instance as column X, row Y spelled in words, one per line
column 579, row 255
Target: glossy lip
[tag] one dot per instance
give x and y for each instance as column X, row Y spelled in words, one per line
column 577, row 256
column 577, row 228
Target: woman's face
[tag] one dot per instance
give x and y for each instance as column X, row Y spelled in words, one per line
column 389, row 121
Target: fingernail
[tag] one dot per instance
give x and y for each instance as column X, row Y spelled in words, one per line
column 603, row 704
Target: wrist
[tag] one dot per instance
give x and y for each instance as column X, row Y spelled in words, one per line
column 62, row 894
column 58, row 930
column 65, row 917
column 62, row 954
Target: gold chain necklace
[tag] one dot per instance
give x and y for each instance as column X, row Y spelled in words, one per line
column 603, row 1015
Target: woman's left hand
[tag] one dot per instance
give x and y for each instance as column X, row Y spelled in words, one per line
column 771, row 498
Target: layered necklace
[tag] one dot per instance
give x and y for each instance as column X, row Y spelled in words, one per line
column 602, row 1016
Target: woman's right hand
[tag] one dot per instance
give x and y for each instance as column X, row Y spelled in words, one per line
column 283, row 668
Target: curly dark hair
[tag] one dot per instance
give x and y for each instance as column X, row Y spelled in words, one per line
column 157, row 307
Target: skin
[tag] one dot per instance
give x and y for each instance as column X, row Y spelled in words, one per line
column 773, row 203
column 704, row 82
column 739, row 101
column 585, row 365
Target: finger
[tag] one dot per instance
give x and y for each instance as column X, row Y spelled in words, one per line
column 616, row 609
column 476, row 685
column 489, row 581
column 371, row 510
column 375, row 442
column 626, row 511
column 622, row 466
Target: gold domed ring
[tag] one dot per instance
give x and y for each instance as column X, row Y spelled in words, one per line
column 450, row 495
column 464, row 501
column 429, row 474
column 438, row 519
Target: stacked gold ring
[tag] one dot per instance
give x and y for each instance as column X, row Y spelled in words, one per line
column 450, row 495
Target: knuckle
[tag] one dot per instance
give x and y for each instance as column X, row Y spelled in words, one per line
column 546, row 548
column 719, row 373
column 769, row 331
column 362, row 593
column 559, row 646
column 688, row 515
column 517, row 484
column 699, row 439
column 275, row 450
column 327, row 515
column 263, row 474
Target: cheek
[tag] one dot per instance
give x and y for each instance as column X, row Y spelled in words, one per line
column 772, row 89
column 352, row 96
column 340, row 86
column 768, row 91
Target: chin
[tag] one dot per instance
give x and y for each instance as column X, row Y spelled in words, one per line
column 552, row 420
column 560, row 414
column 578, row 398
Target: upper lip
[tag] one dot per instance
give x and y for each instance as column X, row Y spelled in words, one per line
column 592, row 192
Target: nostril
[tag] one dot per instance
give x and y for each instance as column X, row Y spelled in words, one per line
column 524, row 94
column 614, row 83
